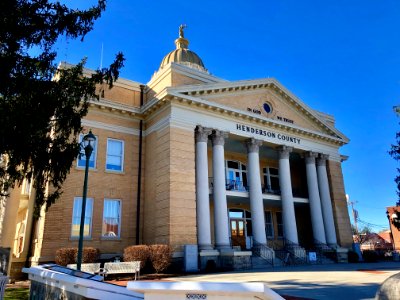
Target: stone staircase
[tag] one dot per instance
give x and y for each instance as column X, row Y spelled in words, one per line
column 290, row 254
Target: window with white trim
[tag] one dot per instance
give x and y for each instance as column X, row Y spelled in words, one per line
column 82, row 156
column 271, row 180
column 76, row 217
column 236, row 175
column 111, row 218
column 115, row 155
column 269, row 226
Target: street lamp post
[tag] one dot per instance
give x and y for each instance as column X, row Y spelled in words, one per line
column 87, row 144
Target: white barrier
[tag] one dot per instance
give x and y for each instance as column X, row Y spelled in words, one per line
column 203, row 290
column 56, row 282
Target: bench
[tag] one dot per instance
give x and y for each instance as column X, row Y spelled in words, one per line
column 122, row 268
column 93, row 268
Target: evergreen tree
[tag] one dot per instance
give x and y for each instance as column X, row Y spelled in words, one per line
column 395, row 153
column 41, row 106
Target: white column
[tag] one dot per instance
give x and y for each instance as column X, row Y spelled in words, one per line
column 219, row 192
column 326, row 203
column 317, row 221
column 285, row 182
column 202, row 196
column 255, row 192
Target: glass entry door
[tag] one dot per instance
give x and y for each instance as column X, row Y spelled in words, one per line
column 238, row 233
column 241, row 228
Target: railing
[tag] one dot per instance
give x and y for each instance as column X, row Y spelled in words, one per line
column 230, row 185
column 239, row 186
column 263, row 251
column 268, row 190
column 235, row 185
column 298, row 254
column 323, row 250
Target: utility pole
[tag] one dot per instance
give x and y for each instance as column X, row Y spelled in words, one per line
column 355, row 213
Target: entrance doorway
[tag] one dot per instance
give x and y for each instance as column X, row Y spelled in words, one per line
column 238, row 233
column 241, row 229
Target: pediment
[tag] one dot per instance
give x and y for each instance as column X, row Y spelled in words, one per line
column 266, row 99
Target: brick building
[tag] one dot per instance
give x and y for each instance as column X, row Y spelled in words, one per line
column 225, row 165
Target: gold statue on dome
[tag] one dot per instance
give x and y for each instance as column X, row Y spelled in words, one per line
column 181, row 33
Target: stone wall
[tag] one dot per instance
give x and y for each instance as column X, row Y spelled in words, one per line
column 339, row 204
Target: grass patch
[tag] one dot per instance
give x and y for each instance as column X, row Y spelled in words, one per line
column 16, row 293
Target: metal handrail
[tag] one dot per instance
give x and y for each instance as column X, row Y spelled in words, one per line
column 263, row 251
column 230, row 185
column 266, row 189
column 323, row 250
column 297, row 253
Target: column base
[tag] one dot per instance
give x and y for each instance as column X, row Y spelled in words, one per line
column 209, row 260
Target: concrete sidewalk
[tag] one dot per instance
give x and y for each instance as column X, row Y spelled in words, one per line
column 334, row 281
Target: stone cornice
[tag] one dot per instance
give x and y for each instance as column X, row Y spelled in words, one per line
column 249, row 117
column 107, row 105
column 247, row 85
column 121, row 82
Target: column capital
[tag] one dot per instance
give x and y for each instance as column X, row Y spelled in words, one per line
column 202, row 133
column 253, row 145
column 218, row 137
column 322, row 158
column 309, row 157
column 284, row 151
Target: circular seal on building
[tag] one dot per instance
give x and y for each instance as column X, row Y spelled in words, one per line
column 267, row 107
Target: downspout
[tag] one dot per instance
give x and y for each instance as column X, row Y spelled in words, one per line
column 139, row 184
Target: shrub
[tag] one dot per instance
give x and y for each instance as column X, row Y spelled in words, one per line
column 89, row 255
column 370, row 256
column 65, row 256
column 160, row 257
column 137, row 253
column 353, row 256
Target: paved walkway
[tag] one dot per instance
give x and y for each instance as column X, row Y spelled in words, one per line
column 336, row 281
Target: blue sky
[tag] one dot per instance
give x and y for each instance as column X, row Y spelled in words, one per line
column 339, row 57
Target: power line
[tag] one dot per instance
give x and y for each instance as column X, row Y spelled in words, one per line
column 371, row 224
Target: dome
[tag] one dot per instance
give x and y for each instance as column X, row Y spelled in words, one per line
column 182, row 55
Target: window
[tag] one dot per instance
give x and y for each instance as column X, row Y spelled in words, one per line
column 82, row 156
column 236, row 176
column 269, row 226
column 111, row 218
column 115, row 155
column 271, row 180
column 26, row 187
column 76, row 217
column 279, row 223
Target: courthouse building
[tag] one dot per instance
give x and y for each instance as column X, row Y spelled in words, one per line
column 190, row 158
